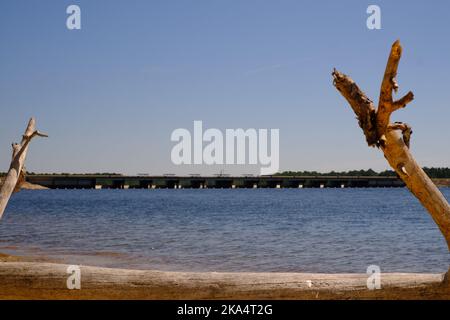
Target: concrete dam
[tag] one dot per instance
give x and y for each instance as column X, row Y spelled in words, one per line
column 73, row 181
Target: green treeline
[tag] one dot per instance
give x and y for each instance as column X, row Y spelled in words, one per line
column 432, row 173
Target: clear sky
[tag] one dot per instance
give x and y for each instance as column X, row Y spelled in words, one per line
column 110, row 95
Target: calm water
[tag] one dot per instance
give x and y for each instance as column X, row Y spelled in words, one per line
column 307, row 230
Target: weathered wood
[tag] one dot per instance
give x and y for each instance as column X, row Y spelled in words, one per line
column 35, row 280
column 394, row 138
column 16, row 174
column 362, row 106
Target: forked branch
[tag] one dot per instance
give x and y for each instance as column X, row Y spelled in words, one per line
column 394, row 138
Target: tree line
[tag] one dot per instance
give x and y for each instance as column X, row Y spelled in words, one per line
column 434, row 173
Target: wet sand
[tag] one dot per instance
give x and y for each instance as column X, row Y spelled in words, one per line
column 22, row 278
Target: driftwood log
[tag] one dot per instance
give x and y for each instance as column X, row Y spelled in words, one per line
column 394, row 138
column 16, row 173
column 38, row 280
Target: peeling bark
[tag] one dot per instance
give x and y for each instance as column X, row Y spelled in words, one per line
column 16, row 173
column 394, row 138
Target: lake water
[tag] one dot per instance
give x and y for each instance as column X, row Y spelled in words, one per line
column 295, row 230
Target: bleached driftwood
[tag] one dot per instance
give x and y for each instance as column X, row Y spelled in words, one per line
column 16, row 173
column 394, row 138
column 37, row 280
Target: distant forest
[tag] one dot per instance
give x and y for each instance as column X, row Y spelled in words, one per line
column 432, row 173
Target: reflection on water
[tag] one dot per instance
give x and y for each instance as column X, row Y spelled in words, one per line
column 301, row 230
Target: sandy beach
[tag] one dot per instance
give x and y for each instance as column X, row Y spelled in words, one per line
column 23, row 278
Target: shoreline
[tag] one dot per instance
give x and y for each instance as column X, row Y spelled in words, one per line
column 23, row 278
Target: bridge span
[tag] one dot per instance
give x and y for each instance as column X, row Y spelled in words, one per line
column 74, row 181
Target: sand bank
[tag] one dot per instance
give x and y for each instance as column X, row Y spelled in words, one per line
column 43, row 280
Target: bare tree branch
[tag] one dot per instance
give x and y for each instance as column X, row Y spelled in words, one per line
column 360, row 103
column 394, row 139
column 386, row 105
column 16, row 174
column 402, row 102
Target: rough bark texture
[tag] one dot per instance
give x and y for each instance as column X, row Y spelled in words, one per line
column 394, row 138
column 16, row 173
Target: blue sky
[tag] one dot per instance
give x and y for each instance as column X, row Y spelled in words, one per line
column 110, row 94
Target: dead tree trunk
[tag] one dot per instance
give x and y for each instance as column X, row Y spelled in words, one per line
column 393, row 138
column 16, row 173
